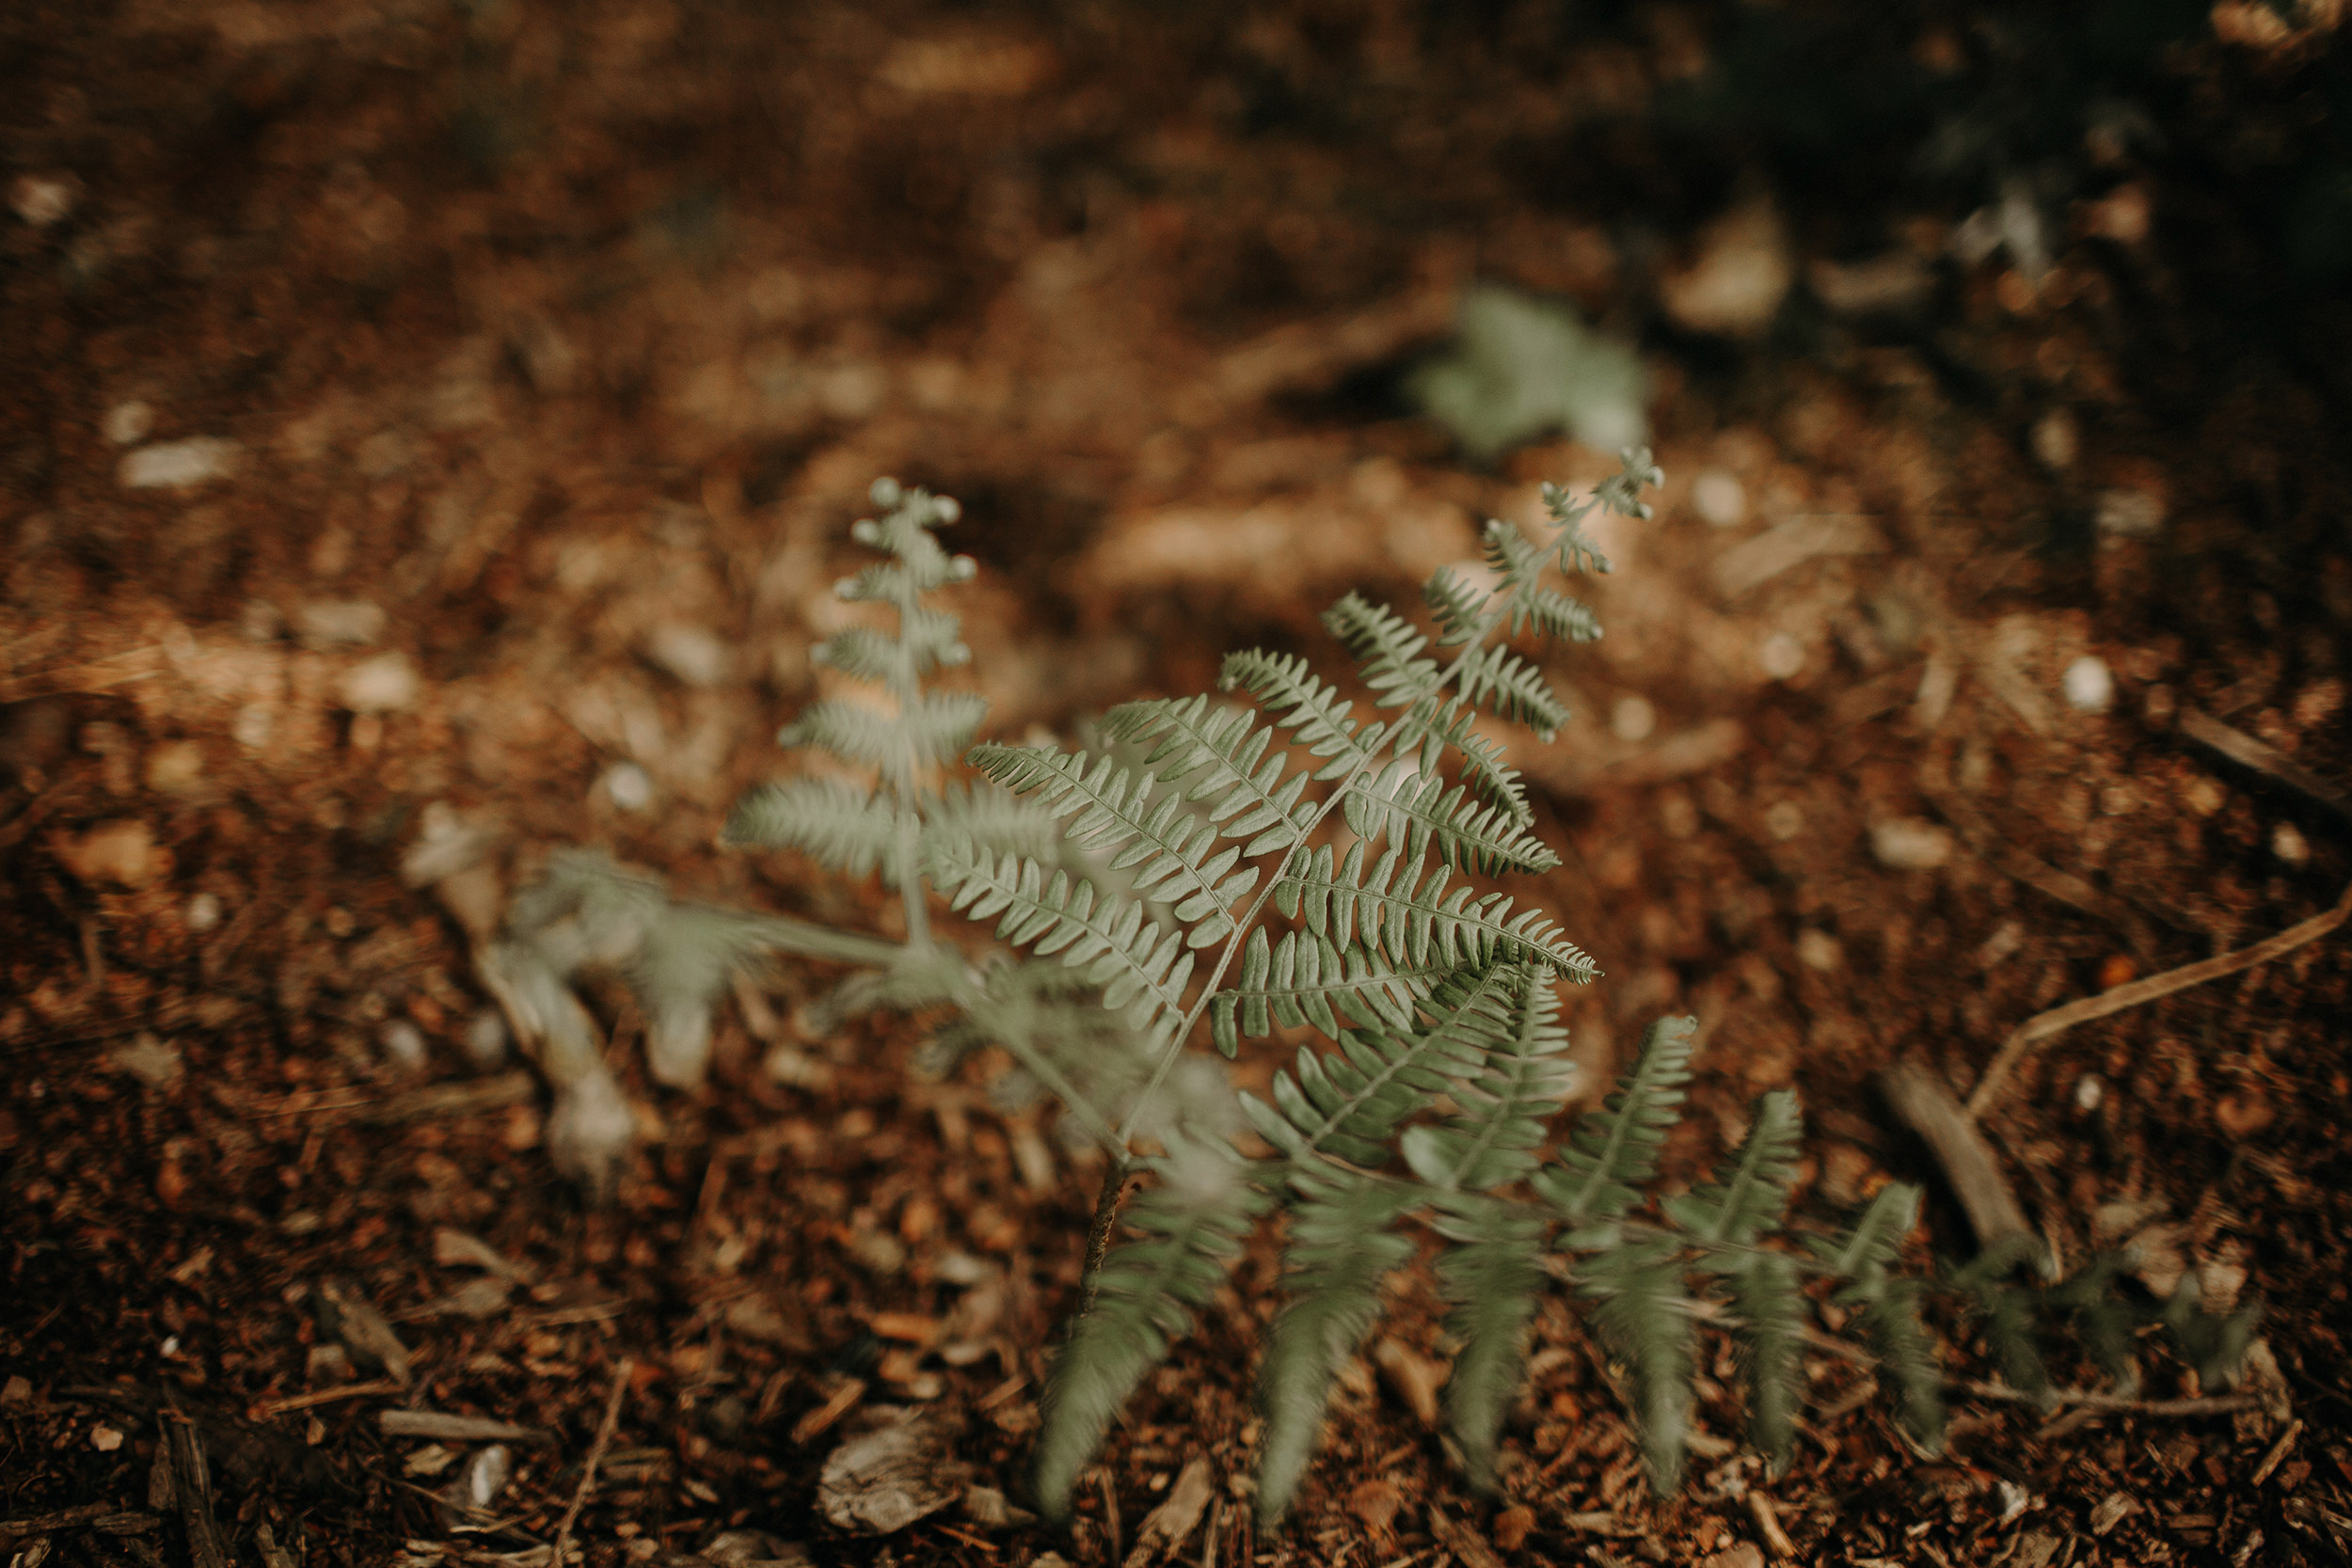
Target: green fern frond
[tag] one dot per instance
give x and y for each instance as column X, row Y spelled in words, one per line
column 1433, row 729
column 1192, row 1225
column 1875, row 1242
column 1890, row 1317
column 1645, row 1316
column 1461, row 609
column 994, row 819
column 2006, row 1312
column 1386, row 649
column 1615, row 1148
column 1287, row 686
column 2104, row 1321
column 1402, row 804
column 1349, row 1103
column 1303, row 980
column 1502, row 682
column 1217, row 756
column 926, row 640
column 1494, row 1273
column 1554, row 614
column 1140, row 966
column 1750, row 1192
column 1869, row 1255
column 1522, row 1079
column 836, row 824
column 933, row 728
column 1773, row 1313
column 2215, row 1345
column 1411, row 918
column 1341, row 1248
column 1164, row 843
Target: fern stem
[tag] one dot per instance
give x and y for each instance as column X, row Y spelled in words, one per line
column 1105, row 1220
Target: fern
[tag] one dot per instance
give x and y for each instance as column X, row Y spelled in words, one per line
column 1292, row 853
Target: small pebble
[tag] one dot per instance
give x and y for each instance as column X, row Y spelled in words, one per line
column 128, row 423
column 404, row 1045
column 384, row 684
column 123, row 852
column 628, row 787
column 1784, row 819
column 2090, row 1090
column 149, row 1060
column 484, row 1039
column 339, row 623
column 1818, row 950
column 175, row 768
column 2089, row 686
column 1908, row 844
column 204, row 913
column 2056, row 440
column 41, row 201
column 692, row 653
column 1718, row 496
column 1632, row 719
column 1780, row 657
column 2128, row 514
column 177, row 465
column 2288, row 844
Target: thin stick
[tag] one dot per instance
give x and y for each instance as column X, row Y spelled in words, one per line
column 596, row 1457
column 2247, row 751
column 2058, row 1020
column 2212, row 1404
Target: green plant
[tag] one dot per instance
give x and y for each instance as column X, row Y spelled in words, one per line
column 1329, row 879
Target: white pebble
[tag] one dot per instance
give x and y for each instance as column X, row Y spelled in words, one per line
column 2089, row 1090
column 128, row 423
column 331, row 622
column 1781, row 656
column 2288, row 844
column 484, row 1039
column 2089, row 686
column 1632, row 719
column 41, row 201
column 1784, row 819
column 204, row 913
column 1719, row 498
column 177, row 464
column 404, row 1045
column 692, row 653
column 1818, row 950
column 1908, row 844
column 628, row 787
column 384, row 684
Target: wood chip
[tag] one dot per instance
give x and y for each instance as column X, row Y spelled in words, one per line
column 1768, row 1524
column 883, row 1480
column 1413, row 1377
column 816, row 1422
column 1470, row 1548
column 1166, row 1528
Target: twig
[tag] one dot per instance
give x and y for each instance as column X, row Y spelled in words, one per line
column 192, row 1483
column 1927, row 1108
column 596, row 1456
column 2212, row 1404
column 265, row 1409
column 2058, row 1020
column 2247, row 751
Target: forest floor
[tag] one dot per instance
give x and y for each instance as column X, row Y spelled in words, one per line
column 423, row 424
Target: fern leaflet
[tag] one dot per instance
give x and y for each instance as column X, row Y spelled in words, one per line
column 1616, row 1147
column 1341, row 1248
column 1194, row 1223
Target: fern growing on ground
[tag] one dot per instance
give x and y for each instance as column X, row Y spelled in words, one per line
column 1301, row 861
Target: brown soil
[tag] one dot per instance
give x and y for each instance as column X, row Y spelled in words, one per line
column 558, row 345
